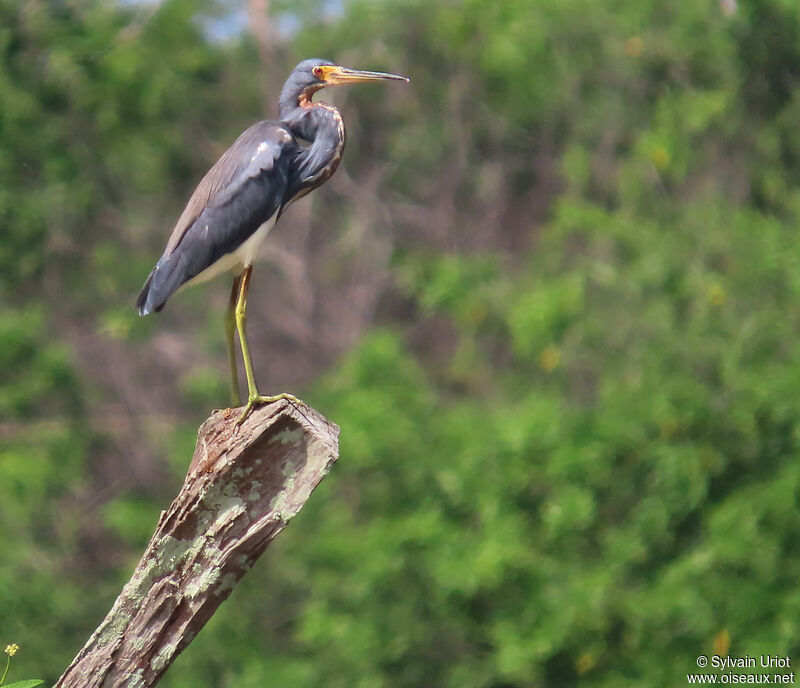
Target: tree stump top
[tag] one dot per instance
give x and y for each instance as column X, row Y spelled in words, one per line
column 244, row 484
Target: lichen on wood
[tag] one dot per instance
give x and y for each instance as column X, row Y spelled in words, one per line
column 243, row 486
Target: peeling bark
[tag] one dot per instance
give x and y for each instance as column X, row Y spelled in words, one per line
column 243, row 486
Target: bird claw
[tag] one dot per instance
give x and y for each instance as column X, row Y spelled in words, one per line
column 258, row 400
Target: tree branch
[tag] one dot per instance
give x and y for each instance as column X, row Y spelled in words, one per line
column 243, row 486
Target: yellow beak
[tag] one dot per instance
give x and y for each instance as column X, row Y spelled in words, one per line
column 335, row 75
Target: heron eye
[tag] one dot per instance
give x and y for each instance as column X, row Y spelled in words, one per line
column 317, row 72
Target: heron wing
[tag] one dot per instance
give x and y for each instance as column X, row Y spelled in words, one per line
column 240, row 192
column 255, row 150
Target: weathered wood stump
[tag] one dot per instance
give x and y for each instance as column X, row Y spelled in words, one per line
column 244, row 485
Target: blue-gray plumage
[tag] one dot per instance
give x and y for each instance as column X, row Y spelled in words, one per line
column 238, row 201
column 242, row 191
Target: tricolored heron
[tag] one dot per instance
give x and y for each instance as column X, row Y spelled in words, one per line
column 271, row 164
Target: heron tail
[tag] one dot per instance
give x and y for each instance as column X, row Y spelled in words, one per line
column 142, row 301
column 165, row 279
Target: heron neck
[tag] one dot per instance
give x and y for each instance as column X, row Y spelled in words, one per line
column 322, row 127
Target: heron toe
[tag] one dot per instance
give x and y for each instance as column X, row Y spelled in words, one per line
column 259, row 399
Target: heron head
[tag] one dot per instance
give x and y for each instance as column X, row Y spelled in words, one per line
column 310, row 76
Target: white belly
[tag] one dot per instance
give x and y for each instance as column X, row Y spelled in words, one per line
column 237, row 260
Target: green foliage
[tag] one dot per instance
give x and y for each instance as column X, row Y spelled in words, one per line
column 568, row 455
column 10, row 651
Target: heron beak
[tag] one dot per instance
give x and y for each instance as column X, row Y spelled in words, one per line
column 335, row 75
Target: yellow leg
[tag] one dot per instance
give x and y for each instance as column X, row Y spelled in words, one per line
column 253, row 397
column 230, row 335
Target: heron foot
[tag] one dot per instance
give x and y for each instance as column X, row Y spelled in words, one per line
column 258, row 400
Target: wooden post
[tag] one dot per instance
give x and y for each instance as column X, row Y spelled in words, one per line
column 244, row 485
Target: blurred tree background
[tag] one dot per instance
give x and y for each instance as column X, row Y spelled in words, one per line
column 550, row 297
